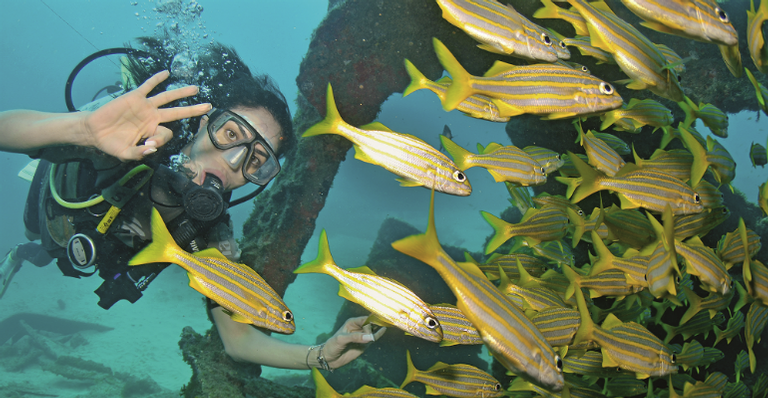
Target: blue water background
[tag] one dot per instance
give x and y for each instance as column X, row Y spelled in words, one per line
column 39, row 49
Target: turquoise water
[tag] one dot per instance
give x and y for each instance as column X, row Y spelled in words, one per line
column 41, row 42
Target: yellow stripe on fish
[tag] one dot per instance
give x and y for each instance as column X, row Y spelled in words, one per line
column 505, row 163
column 714, row 155
column 676, row 162
column 757, row 318
column 637, row 56
column 638, row 187
column 558, row 325
column 457, row 329
column 323, row 389
column 499, row 28
column 547, row 158
column 712, row 116
column 537, row 225
column 459, row 380
column 388, row 299
column 699, row 224
column 713, row 303
column 629, row 346
column 585, row 47
column 549, row 90
column 760, row 91
column 635, row 266
column 701, row 20
column 418, row 163
column 600, row 154
column 510, row 337
column 702, row 262
column 477, row 106
column 639, row 113
column 242, row 292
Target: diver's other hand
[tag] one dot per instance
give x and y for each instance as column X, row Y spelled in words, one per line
column 349, row 341
column 119, row 126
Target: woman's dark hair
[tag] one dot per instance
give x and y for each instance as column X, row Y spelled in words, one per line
column 224, row 80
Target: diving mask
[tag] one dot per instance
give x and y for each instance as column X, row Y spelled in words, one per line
column 242, row 145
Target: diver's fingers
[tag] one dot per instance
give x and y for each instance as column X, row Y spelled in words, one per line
column 183, row 112
column 173, row 95
column 137, row 152
column 152, row 82
column 161, row 137
column 354, row 324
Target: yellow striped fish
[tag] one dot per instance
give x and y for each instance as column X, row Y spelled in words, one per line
column 731, row 249
column 531, row 297
column 699, row 324
column 637, row 56
column 588, row 364
column 547, row 158
column 732, row 329
column 636, row 187
column 457, row 329
column 673, row 59
column 600, row 155
column 634, row 266
column 629, row 226
column 389, row 300
column 755, row 37
column 628, row 346
column 701, row 20
column 324, row 390
column 557, row 325
column 585, row 47
column 553, row 91
column 505, row 163
column 536, row 226
column 639, row 113
column 242, row 292
column 459, row 380
column 662, row 259
column 714, row 303
column 676, row 162
column 712, row 116
column 762, row 197
column 757, row 318
column 418, row 163
column 699, row 224
column 701, row 261
column 519, row 196
column 690, row 354
column 714, row 155
column 711, row 197
column 757, row 285
column 510, row 337
column 508, row 263
column 612, row 283
column 499, row 29
column 477, row 106
column 616, row 143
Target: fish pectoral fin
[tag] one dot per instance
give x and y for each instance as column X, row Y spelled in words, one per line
column 362, row 156
column 498, row 177
column 376, row 320
column 496, row 49
column 344, row 293
column 633, row 84
column 659, row 27
column 505, row 109
column 626, row 203
column 559, row 115
column 405, row 182
column 194, row 283
column 608, row 362
column 238, row 318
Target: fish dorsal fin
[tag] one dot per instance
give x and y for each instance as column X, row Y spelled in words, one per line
column 471, row 269
column 362, row 270
column 404, row 182
column 438, row 366
column 375, row 126
column 211, row 252
column 498, row 68
column 493, row 146
column 344, row 293
column 611, row 321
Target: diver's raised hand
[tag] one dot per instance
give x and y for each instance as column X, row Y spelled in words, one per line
column 128, row 127
column 349, row 341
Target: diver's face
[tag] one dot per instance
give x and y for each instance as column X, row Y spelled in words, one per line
column 205, row 158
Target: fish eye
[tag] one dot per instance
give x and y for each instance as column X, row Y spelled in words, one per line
column 431, row 322
column 497, row 387
column 585, row 69
column 674, row 358
column 459, row 176
column 725, row 210
column 541, row 170
column 677, row 280
column 580, row 212
column 562, row 45
column 606, row 88
column 287, row 316
column 721, row 14
column 558, row 363
column 545, row 38
column 696, row 198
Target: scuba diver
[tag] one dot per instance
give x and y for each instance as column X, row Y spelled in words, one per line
column 179, row 143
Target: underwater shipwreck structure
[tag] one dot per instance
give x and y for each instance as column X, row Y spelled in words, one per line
column 359, row 48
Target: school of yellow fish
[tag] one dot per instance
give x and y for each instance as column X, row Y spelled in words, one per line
column 531, row 305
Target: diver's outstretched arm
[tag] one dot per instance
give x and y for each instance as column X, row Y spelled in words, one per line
column 117, row 128
column 247, row 344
